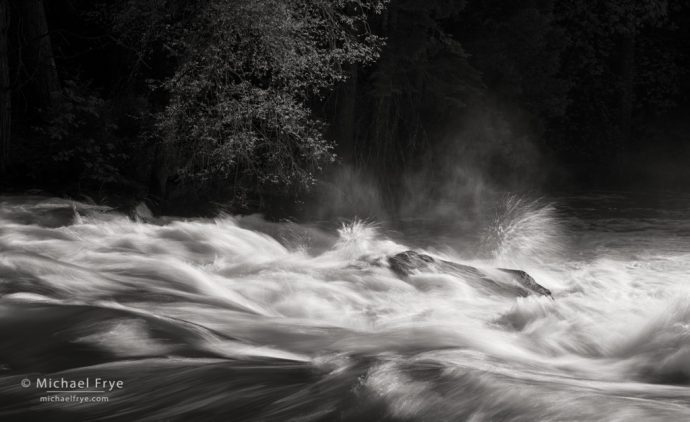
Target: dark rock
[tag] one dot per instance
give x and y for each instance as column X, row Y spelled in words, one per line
column 405, row 263
column 527, row 281
column 140, row 213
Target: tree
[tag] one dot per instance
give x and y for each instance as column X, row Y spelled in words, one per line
column 40, row 68
column 517, row 48
column 238, row 111
column 5, row 92
column 422, row 80
column 602, row 65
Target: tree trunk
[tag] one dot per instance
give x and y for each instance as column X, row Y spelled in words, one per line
column 158, row 181
column 5, row 92
column 345, row 118
column 627, row 87
column 40, row 62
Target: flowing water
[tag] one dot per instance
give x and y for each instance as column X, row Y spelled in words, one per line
column 236, row 318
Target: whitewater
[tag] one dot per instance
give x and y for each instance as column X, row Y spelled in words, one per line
column 242, row 319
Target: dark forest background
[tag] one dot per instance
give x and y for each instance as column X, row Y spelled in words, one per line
column 273, row 105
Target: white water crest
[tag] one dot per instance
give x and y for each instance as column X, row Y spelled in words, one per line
column 258, row 320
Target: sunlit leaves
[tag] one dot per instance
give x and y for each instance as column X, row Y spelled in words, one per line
column 245, row 73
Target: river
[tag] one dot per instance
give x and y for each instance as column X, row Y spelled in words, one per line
column 240, row 319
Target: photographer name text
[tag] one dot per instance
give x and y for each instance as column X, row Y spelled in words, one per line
column 60, row 384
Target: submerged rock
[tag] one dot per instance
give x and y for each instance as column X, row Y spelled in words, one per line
column 405, row 263
column 141, row 213
column 527, row 281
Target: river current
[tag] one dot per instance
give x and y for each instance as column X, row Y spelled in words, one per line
column 240, row 319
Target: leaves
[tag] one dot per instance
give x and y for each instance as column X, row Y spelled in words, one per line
column 245, row 74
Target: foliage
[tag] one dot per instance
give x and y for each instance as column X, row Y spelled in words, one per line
column 244, row 75
column 518, row 49
column 421, row 81
column 607, row 88
column 78, row 135
column 243, row 98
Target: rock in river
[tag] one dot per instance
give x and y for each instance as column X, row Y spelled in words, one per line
column 519, row 282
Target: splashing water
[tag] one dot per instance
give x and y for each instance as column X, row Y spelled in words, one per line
column 237, row 318
column 524, row 231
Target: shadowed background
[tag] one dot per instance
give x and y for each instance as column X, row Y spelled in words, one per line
column 265, row 105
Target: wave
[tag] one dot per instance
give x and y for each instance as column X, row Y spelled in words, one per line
column 271, row 321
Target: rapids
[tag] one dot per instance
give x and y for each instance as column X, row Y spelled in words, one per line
column 237, row 318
